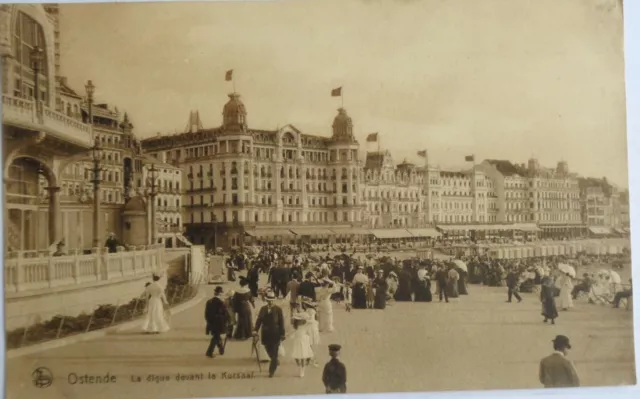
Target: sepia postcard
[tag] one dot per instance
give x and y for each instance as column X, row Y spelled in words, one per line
column 221, row 199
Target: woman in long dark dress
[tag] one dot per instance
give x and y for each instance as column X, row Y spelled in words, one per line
column 423, row 286
column 462, row 282
column 549, row 310
column 359, row 292
column 403, row 294
column 381, row 287
column 242, row 304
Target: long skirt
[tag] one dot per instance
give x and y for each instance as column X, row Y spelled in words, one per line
column 452, row 289
column 549, row 310
column 403, row 294
column 244, row 328
column 325, row 315
column 359, row 297
column 423, row 293
column 380, row 301
column 155, row 321
column 462, row 287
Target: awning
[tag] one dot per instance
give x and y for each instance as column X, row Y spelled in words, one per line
column 311, row 231
column 391, row 233
column 476, row 227
column 350, row 231
column 600, row 230
column 425, row 232
column 619, row 230
column 527, row 227
column 269, row 233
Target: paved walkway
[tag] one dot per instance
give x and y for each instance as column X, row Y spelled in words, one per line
column 478, row 342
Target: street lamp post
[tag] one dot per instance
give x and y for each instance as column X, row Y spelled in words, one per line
column 152, row 182
column 36, row 60
column 96, row 155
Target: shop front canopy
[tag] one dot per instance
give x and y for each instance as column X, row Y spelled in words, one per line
column 311, row 231
column 350, row 231
column 477, row 227
column 600, row 230
column 261, row 233
column 391, row 233
column 528, row 227
column 424, row 232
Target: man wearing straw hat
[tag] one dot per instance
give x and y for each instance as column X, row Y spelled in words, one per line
column 271, row 320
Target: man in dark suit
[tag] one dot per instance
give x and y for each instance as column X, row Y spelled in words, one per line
column 556, row 371
column 271, row 320
column 307, row 287
column 334, row 375
column 441, row 277
column 512, row 286
column 215, row 314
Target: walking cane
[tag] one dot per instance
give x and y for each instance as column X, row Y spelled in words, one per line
column 254, row 347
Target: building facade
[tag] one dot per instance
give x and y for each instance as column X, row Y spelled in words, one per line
column 49, row 140
column 241, row 181
column 601, row 206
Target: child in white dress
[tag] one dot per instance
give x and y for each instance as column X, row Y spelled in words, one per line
column 314, row 329
column 301, row 343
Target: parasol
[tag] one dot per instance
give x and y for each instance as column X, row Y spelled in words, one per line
column 615, row 277
column 461, row 265
column 568, row 269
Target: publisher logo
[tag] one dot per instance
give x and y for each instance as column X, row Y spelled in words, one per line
column 42, row 377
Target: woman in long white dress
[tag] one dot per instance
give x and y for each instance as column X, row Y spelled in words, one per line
column 155, row 322
column 301, row 343
column 325, row 309
column 566, row 287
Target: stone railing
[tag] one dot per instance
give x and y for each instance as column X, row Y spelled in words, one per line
column 34, row 273
column 23, row 112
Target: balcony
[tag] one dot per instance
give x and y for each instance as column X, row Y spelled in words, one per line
column 23, row 113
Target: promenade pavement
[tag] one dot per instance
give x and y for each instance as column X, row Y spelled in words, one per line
column 476, row 342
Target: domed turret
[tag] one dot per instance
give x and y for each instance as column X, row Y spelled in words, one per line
column 533, row 165
column 234, row 114
column 563, row 168
column 343, row 126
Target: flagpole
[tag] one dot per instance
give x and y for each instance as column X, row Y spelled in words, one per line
column 233, row 81
column 341, row 98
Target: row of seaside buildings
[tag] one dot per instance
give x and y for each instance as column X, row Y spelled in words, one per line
column 233, row 184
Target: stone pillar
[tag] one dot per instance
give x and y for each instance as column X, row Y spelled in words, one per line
column 54, row 214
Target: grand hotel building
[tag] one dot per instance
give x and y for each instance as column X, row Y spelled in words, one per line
column 244, row 185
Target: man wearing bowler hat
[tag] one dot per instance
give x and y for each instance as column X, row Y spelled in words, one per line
column 216, row 315
column 334, row 375
column 271, row 320
column 556, row 371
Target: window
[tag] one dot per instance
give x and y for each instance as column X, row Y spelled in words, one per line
column 27, row 35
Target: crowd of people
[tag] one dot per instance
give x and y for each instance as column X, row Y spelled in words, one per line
column 311, row 284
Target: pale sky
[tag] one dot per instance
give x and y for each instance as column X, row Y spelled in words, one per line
column 505, row 79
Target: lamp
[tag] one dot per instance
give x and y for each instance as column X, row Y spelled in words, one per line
column 151, row 180
column 90, row 88
column 96, row 156
column 36, row 57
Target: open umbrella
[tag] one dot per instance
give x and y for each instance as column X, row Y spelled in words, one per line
column 568, row 269
column 461, row 265
column 615, row 277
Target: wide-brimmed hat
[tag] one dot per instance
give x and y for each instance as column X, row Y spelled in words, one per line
column 307, row 301
column 270, row 296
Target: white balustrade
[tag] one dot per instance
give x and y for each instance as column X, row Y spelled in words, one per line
column 23, row 112
column 33, row 273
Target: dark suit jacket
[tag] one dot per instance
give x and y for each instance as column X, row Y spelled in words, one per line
column 512, row 280
column 556, row 371
column 215, row 313
column 334, row 376
column 272, row 323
